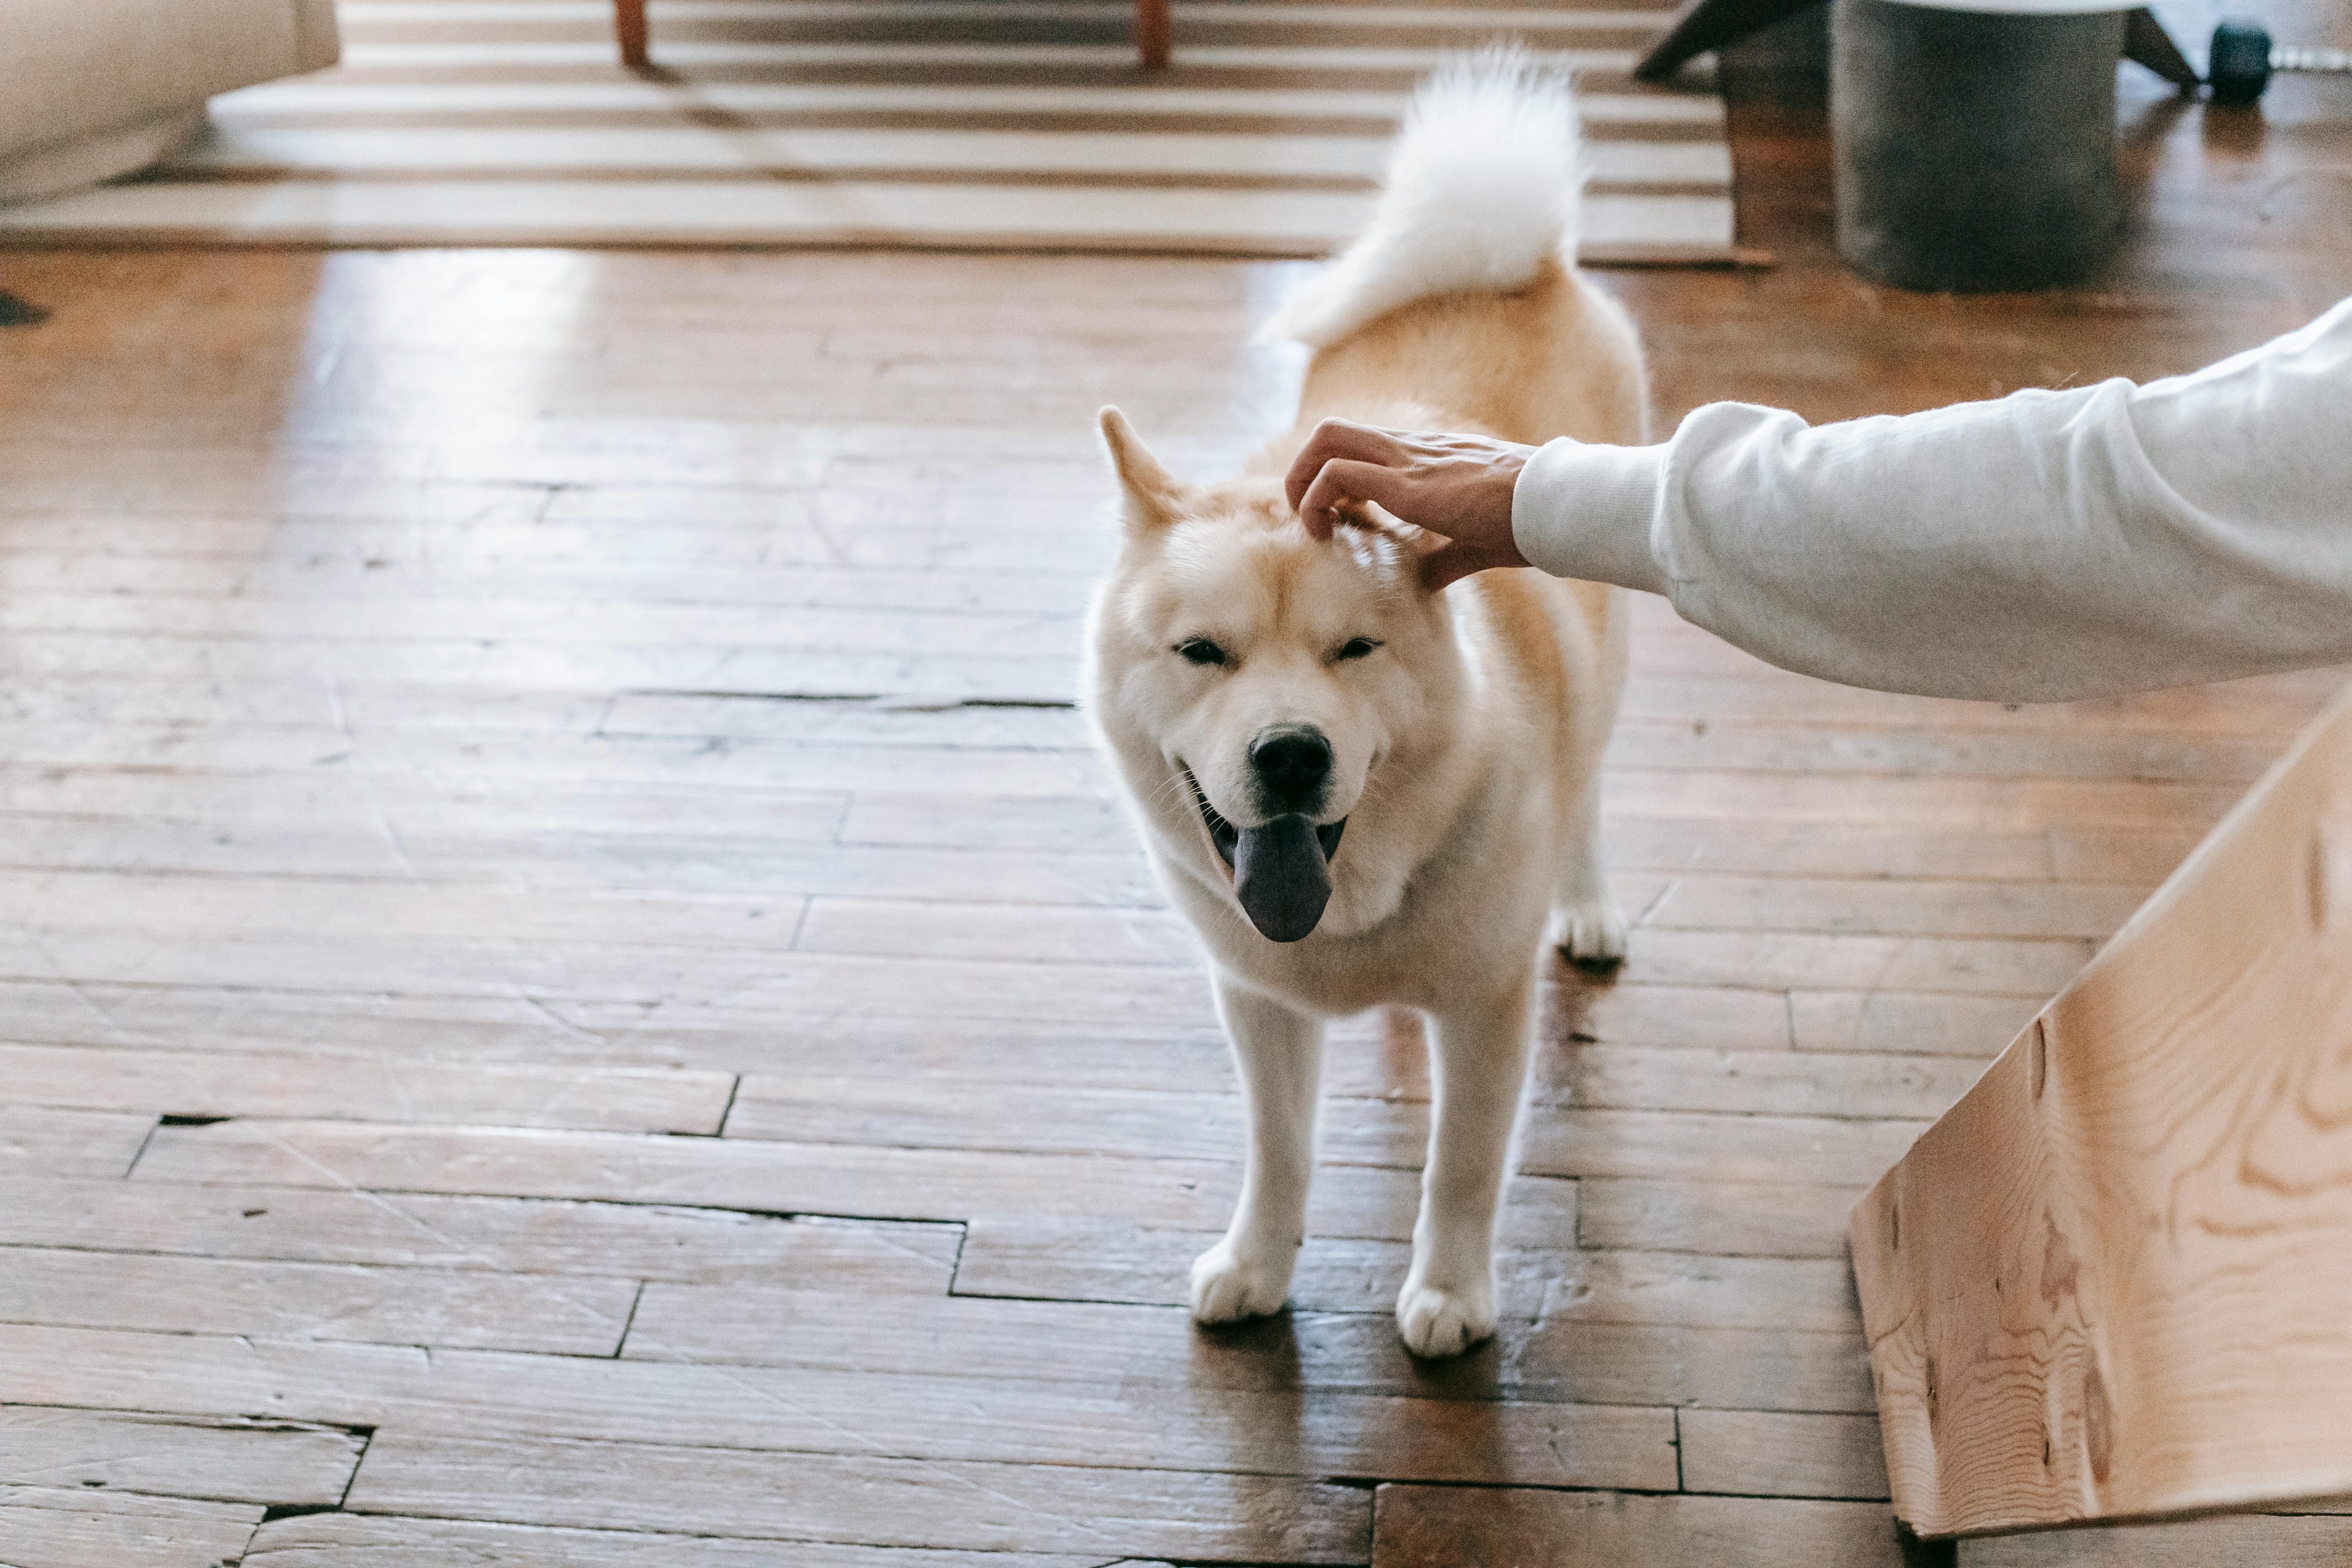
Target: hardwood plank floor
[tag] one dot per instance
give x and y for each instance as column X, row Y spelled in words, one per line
column 551, row 1013
column 76, row 1527
column 284, row 1464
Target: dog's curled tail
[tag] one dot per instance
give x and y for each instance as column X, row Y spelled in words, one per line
column 1481, row 187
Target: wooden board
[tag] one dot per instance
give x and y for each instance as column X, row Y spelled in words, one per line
column 1771, row 1219
column 2099, row 1287
column 1761, row 1453
column 183, row 1083
column 42, row 1142
column 2275, row 1540
column 872, row 1501
column 840, row 1179
column 1272, row 1398
column 232, row 1459
column 1446, row 1527
column 303, row 1301
column 57, row 1527
column 1680, row 1364
column 348, row 1540
column 1685, row 1146
column 527, row 1237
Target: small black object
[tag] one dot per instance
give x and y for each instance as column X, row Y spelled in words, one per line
column 19, row 312
column 2240, row 66
column 2244, row 59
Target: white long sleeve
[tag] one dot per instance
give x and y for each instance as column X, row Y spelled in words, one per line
column 2042, row 547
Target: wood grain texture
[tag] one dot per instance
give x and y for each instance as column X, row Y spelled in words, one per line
column 1252, row 1390
column 1760, row 1453
column 760, row 1176
column 182, row 1083
column 1678, row 1146
column 358, row 1540
column 870, row 1500
column 303, row 1301
column 1447, row 1527
column 634, row 1241
column 2275, row 1541
column 231, row 1459
column 57, row 1527
column 44, row 1141
column 1771, row 1219
column 1673, row 1363
column 2091, row 1289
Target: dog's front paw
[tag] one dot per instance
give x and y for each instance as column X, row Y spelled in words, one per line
column 1438, row 1323
column 1591, row 935
column 1229, row 1285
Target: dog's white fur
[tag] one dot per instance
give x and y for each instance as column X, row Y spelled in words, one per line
column 1465, row 746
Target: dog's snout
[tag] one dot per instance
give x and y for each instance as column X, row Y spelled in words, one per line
column 1292, row 761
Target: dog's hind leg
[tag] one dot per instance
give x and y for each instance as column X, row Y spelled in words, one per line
column 1280, row 1053
column 1587, row 926
column 1478, row 1066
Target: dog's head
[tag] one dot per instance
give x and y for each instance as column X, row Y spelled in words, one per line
column 1256, row 682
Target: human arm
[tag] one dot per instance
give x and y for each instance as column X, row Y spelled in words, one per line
column 2046, row 546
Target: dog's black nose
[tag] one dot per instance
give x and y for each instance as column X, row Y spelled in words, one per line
column 1291, row 761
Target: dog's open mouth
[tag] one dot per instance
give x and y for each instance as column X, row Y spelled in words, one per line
column 1282, row 871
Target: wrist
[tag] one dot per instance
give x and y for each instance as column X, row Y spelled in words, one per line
column 1495, row 528
column 1585, row 512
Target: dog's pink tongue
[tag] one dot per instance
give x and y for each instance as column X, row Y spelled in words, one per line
column 1281, row 877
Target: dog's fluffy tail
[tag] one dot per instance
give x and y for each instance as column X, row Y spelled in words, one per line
column 1481, row 187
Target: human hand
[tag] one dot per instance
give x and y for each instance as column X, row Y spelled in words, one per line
column 1455, row 486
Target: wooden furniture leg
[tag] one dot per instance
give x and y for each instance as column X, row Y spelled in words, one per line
column 1151, row 33
column 2110, row 1283
column 629, row 29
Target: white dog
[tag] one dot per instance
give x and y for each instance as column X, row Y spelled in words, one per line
column 1360, row 792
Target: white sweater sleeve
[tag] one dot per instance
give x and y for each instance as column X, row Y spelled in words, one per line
column 2047, row 546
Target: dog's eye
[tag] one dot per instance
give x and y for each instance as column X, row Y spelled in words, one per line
column 1201, row 650
column 1355, row 647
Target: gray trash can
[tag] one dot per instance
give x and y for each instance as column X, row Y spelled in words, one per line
column 1975, row 149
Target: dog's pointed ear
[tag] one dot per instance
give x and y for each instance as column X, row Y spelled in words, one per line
column 1152, row 496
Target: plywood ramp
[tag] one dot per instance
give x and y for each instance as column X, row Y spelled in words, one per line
column 2109, row 1282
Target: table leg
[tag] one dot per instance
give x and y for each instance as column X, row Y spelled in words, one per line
column 629, row 28
column 1151, row 29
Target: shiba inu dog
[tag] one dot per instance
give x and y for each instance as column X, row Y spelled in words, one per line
column 1358, row 791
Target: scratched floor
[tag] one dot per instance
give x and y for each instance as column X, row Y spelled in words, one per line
column 573, row 995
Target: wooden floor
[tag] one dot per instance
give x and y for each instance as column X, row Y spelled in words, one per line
column 573, row 994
